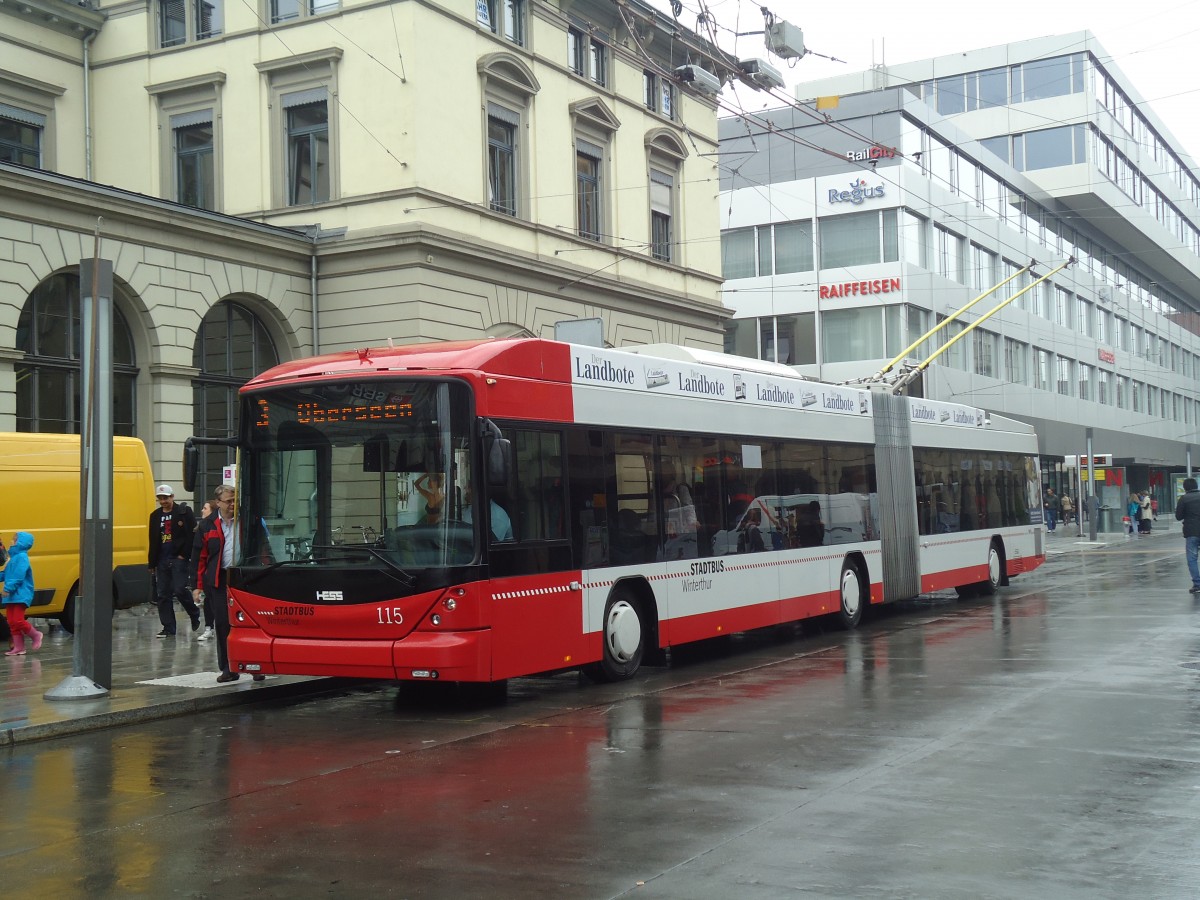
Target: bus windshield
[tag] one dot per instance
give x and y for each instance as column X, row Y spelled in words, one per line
column 364, row 473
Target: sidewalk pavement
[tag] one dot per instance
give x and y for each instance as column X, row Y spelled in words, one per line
column 152, row 678
column 157, row 678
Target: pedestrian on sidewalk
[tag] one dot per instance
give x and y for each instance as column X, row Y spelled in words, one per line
column 1068, row 509
column 1145, row 513
column 1133, row 508
column 18, row 595
column 172, row 526
column 1187, row 511
column 215, row 551
column 207, row 511
column 1050, row 506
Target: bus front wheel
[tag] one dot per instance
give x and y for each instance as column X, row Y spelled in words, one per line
column 624, row 640
column 850, row 609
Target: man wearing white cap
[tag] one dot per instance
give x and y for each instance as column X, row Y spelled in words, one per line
column 171, row 528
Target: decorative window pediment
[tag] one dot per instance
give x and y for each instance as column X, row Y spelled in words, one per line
column 665, row 142
column 593, row 112
column 509, row 71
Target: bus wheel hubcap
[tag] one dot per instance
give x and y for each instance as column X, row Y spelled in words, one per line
column 624, row 631
column 850, row 594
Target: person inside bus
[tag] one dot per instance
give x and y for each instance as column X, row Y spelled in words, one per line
column 629, row 542
column 500, row 521
column 750, row 539
column 740, row 497
column 429, row 486
column 679, row 513
column 810, row 530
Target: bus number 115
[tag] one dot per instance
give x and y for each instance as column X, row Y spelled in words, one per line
column 390, row 615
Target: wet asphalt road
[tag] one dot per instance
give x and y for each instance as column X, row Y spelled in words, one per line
column 1043, row 743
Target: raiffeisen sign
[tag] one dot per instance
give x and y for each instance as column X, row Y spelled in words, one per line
column 859, row 191
column 869, row 153
column 859, row 288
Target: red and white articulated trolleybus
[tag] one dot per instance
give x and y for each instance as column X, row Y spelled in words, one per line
column 478, row 511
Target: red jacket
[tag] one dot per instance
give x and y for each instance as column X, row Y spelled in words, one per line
column 208, row 553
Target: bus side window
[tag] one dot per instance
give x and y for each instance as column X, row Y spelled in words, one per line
column 539, row 496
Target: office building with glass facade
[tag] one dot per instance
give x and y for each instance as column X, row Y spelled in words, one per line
column 849, row 231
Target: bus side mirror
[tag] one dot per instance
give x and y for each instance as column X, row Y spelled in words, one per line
column 499, row 461
column 191, row 463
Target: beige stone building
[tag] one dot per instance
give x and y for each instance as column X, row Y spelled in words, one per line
column 282, row 177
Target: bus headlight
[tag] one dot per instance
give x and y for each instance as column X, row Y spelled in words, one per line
column 435, row 619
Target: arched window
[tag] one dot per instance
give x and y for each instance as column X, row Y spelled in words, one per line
column 232, row 347
column 48, row 378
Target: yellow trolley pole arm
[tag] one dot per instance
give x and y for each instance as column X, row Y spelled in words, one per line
column 942, row 324
column 910, row 376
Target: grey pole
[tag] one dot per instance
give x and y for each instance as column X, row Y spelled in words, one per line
column 1093, row 502
column 92, row 670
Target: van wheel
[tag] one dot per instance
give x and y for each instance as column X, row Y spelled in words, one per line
column 850, row 609
column 624, row 640
column 67, row 617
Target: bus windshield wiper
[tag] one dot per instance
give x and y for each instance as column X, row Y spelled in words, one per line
column 405, row 578
column 250, row 579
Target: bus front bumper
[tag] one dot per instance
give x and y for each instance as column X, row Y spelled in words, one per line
column 421, row 656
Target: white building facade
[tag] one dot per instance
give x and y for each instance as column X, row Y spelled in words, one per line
column 280, row 178
column 849, row 232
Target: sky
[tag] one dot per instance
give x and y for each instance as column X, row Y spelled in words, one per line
column 1155, row 45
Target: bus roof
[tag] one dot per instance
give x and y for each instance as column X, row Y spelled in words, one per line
column 550, row 362
column 522, row 357
column 515, row 356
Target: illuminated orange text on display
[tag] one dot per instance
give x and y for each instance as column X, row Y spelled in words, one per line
column 314, row 413
column 264, row 417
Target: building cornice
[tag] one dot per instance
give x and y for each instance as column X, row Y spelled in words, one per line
column 299, row 60
column 51, row 193
column 57, row 15
column 185, row 84
column 42, row 87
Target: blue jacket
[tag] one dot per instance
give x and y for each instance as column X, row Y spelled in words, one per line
column 18, row 574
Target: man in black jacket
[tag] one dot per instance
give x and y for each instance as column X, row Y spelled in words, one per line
column 171, row 529
column 1187, row 511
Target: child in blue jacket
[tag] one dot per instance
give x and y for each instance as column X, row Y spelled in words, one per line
column 18, row 595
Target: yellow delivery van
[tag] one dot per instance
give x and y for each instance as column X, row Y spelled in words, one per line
column 39, row 493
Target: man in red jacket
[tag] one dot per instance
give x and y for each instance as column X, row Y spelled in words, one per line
column 214, row 552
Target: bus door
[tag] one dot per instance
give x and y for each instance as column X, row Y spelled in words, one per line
column 634, row 526
column 689, row 505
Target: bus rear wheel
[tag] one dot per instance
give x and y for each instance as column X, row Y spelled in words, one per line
column 995, row 576
column 624, row 640
column 995, row 564
column 850, row 608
